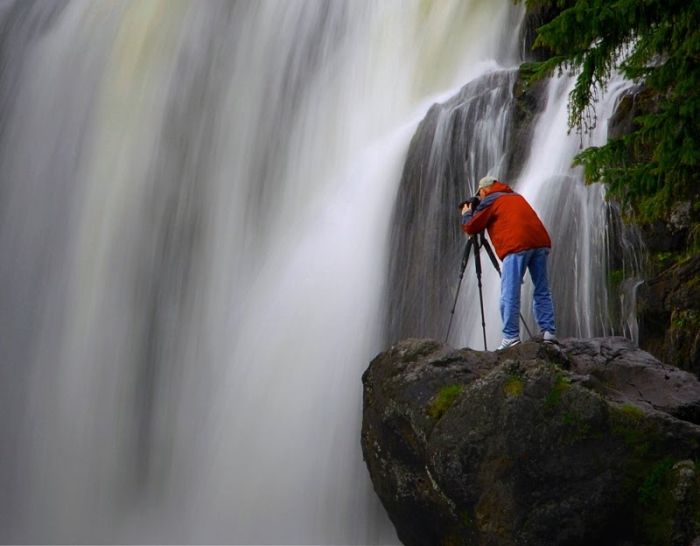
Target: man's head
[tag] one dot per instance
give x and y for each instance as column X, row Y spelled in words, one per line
column 484, row 184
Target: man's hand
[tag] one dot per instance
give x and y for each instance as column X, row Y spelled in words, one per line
column 470, row 204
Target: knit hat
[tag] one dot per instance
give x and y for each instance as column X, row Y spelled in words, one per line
column 486, row 181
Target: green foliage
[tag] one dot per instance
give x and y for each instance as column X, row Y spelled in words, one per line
column 653, row 485
column 616, row 276
column 648, row 482
column 579, row 429
column 444, row 400
column 553, row 399
column 656, row 504
column 665, row 259
column 685, row 318
column 632, row 411
column 694, row 238
column 628, row 425
column 654, row 42
column 467, row 519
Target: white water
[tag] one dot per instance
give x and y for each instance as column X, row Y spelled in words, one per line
column 196, row 200
column 576, row 217
column 576, row 214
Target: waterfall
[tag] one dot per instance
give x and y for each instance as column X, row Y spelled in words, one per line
column 457, row 143
column 196, row 211
column 476, row 133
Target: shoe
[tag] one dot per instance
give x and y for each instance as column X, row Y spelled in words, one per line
column 508, row 343
column 549, row 337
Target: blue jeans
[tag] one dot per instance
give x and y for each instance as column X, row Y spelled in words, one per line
column 513, row 271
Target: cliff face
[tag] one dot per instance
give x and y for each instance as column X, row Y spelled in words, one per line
column 592, row 442
column 669, row 298
column 669, row 313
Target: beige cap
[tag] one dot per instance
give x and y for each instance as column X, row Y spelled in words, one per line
column 486, row 181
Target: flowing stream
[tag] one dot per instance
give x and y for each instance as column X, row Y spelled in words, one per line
column 199, row 210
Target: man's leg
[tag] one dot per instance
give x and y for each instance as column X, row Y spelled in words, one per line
column 542, row 297
column 512, row 271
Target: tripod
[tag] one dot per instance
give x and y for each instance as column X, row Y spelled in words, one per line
column 477, row 241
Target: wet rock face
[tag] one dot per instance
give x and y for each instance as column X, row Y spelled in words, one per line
column 669, row 314
column 448, row 154
column 592, row 442
column 669, row 301
column 535, row 17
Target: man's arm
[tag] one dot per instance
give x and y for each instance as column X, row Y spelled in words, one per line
column 475, row 222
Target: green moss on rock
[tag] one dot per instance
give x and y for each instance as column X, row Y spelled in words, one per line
column 444, row 400
column 513, row 387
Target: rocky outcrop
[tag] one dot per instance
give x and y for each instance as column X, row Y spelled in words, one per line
column 590, row 442
column 669, row 313
column 535, row 17
column 669, row 300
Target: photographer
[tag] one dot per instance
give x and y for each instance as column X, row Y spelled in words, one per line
column 521, row 242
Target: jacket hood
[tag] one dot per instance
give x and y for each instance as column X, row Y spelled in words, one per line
column 498, row 186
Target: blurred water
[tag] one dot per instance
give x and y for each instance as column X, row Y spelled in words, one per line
column 577, row 215
column 195, row 203
column 457, row 143
column 476, row 133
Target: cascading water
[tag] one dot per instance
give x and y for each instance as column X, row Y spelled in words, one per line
column 454, row 147
column 195, row 209
column 454, row 144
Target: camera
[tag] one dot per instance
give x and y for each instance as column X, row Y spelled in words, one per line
column 473, row 201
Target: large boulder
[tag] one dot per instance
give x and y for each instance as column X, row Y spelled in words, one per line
column 590, row 442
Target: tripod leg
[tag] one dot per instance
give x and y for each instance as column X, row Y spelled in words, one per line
column 529, row 333
column 491, row 254
column 465, row 259
column 477, row 265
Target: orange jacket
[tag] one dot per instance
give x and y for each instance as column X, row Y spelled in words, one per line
column 512, row 224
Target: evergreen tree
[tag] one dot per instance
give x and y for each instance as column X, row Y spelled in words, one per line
column 655, row 43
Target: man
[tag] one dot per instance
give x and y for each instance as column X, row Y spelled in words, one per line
column 521, row 242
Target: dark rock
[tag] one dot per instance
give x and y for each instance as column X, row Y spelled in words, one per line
column 668, row 304
column 665, row 235
column 669, row 312
column 535, row 17
column 671, row 234
column 635, row 101
column 590, row 442
column 530, row 97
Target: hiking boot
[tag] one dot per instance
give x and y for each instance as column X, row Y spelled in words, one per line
column 508, row 343
column 549, row 337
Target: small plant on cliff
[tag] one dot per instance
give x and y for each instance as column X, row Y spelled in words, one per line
column 562, row 383
column 659, row 498
column 627, row 425
column 513, row 386
column 654, row 42
column 443, row 400
column 685, row 318
column 632, row 411
column 655, row 482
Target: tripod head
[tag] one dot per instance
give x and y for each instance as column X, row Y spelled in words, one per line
column 477, row 241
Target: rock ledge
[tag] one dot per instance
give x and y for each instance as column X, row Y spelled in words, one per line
column 590, row 442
